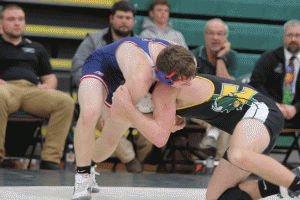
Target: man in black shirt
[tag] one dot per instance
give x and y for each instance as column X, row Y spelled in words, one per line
column 27, row 82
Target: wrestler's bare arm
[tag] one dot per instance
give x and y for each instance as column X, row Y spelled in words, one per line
column 137, row 72
column 158, row 128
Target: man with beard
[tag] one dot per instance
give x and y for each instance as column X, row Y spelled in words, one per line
column 121, row 26
column 215, row 58
column 276, row 74
column 27, row 82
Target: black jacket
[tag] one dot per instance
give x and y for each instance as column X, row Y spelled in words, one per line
column 268, row 76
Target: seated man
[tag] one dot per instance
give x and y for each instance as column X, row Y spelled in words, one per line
column 22, row 62
column 253, row 120
column 215, row 58
column 276, row 74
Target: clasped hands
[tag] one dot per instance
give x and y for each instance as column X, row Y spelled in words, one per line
column 122, row 98
column 288, row 111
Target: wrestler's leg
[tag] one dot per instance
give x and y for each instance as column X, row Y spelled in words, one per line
column 91, row 96
column 109, row 139
column 248, row 141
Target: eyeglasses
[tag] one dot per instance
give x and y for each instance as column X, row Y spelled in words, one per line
column 211, row 34
column 290, row 35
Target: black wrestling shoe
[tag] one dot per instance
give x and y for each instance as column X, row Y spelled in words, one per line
column 284, row 192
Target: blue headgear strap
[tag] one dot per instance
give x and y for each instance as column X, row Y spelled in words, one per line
column 163, row 77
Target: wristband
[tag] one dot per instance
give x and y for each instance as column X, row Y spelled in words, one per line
column 222, row 58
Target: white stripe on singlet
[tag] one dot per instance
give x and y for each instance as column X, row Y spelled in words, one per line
column 259, row 111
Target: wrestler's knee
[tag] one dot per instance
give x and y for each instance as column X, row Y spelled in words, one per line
column 238, row 157
column 90, row 115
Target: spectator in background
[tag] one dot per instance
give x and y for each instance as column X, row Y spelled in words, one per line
column 273, row 74
column 158, row 24
column 215, row 58
column 121, row 26
column 27, row 82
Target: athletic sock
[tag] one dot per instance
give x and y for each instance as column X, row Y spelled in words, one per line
column 295, row 186
column 267, row 189
column 93, row 163
column 83, row 170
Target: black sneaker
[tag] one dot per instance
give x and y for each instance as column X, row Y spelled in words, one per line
column 49, row 165
column 284, row 193
column 134, row 166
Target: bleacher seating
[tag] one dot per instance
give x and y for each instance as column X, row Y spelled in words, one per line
column 100, row 4
column 248, row 36
column 246, row 63
column 245, row 9
column 56, row 31
column 64, row 64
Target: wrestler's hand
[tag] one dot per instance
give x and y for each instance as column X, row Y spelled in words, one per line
column 122, row 97
column 179, row 124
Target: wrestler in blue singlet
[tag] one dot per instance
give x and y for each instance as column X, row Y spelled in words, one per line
column 102, row 64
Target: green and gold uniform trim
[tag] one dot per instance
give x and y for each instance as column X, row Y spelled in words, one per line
column 208, row 98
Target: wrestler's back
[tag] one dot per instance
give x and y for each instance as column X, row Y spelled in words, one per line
column 132, row 59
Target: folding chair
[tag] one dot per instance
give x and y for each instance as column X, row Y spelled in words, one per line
column 288, row 131
column 178, row 147
column 20, row 117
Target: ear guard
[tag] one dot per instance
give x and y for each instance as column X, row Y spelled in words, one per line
column 167, row 79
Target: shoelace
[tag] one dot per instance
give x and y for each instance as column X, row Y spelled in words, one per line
column 94, row 173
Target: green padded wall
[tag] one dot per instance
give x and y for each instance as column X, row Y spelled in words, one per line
column 144, row 5
column 257, row 9
column 248, row 36
column 246, row 63
column 282, row 10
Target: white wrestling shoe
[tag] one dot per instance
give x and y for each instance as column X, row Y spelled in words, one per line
column 94, row 185
column 82, row 189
